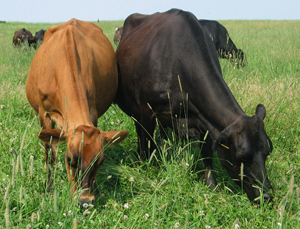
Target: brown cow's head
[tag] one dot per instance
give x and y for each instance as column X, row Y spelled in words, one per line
column 84, row 155
column 246, row 142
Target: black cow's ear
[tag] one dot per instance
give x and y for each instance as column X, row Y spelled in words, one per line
column 260, row 111
column 221, row 141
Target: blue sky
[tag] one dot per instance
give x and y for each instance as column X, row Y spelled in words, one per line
column 92, row 10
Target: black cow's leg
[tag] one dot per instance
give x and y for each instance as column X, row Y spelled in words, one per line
column 138, row 132
column 145, row 141
column 207, row 155
column 147, row 134
column 163, row 131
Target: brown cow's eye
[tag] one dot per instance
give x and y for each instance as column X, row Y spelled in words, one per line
column 68, row 160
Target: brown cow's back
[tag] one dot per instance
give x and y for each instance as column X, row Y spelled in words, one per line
column 65, row 69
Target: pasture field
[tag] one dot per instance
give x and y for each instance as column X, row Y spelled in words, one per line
column 168, row 191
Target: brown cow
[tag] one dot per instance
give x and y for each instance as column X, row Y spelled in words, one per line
column 71, row 82
column 22, row 36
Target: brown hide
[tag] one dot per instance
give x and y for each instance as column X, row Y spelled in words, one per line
column 71, row 82
column 22, row 35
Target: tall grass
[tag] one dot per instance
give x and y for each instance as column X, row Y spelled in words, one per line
column 168, row 191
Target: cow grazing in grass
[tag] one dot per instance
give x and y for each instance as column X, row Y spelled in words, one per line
column 169, row 71
column 225, row 47
column 39, row 37
column 23, row 36
column 72, row 81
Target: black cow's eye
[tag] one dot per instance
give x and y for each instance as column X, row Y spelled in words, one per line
column 245, row 157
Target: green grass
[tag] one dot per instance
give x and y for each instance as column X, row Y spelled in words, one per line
column 169, row 190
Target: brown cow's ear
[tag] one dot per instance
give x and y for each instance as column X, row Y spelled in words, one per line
column 52, row 136
column 112, row 138
column 260, row 111
column 221, row 141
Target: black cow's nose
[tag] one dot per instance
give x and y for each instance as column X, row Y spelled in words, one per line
column 267, row 196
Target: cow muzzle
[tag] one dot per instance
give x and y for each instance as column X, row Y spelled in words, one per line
column 265, row 196
column 86, row 199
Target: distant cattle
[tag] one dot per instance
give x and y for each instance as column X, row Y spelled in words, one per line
column 39, row 36
column 170, row 74
column 23, row 36
column 224, row 45
column 72, row 81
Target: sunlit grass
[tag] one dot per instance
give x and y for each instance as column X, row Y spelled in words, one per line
column 168, row 191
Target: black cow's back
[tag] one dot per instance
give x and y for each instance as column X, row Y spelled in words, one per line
column 156, row 51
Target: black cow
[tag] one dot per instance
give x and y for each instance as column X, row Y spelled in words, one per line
column 169, row 70
column 225, row 47
column 39, row 36
column 23, row 36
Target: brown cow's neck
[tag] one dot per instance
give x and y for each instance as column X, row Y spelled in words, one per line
column 74, row 110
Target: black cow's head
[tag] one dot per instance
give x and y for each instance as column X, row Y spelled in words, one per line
column 243, row 148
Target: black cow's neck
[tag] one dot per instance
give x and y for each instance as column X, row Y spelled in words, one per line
column 217, row 107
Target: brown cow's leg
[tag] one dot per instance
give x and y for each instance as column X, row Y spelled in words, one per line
column 47, row 123
column 207, row 155
column 50, row 162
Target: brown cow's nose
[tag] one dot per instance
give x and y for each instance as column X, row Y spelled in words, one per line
column 87, row 200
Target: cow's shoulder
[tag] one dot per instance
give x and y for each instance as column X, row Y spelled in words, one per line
column 138, row 22
column 135, row 20
column 132, row 22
